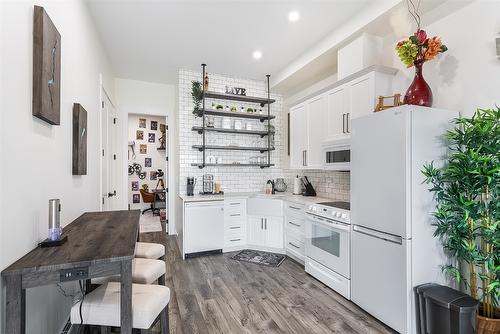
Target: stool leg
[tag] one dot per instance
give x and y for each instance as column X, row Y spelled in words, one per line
column 161, row 280
column 164, row 321
column 105, row 330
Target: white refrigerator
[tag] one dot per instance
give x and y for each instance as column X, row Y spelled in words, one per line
column 392, row 243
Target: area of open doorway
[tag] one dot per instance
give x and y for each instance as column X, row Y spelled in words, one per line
column 147, row 187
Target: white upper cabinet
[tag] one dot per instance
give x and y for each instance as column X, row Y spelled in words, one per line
column 298, row 136
column 337, row 100
column 317, row 126
column 328, row 115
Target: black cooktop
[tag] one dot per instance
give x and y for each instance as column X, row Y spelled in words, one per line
column 338, row 204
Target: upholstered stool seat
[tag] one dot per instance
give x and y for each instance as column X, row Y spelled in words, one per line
column 144, row 271
column 149, row 250
column 101, row 307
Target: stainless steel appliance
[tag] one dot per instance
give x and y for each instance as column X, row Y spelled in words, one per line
column 327, row 245
column 208, row 184
column 337, row 155
column 190, row 186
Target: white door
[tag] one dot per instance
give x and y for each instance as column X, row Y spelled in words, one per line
column 110, row 168
column 317, row 125
column 255, row 231
column 379, row 276
column 337, row 101
column 274, row 232
column 362, row 98
column 298, row 136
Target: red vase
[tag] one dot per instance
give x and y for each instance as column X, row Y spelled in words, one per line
column 419, row 93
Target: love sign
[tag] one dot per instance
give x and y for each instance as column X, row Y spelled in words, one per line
column 236, row 91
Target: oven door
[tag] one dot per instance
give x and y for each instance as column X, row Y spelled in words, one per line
column 328, row 242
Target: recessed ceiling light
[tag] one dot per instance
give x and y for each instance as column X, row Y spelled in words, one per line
column 257, row 55
column 294, row 16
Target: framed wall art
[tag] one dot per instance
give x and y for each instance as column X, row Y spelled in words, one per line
column 142, row 122
column 140, row 135
column 151, row 137
column 46, row 103
column 79, row 140
column 154, row 125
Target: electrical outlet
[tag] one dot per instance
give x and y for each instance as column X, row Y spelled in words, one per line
column 74, row 274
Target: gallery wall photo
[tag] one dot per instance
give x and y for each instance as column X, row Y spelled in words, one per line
column 79, row 140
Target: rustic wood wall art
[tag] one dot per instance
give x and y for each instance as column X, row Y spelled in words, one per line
column 79, row 140
column 46, row 68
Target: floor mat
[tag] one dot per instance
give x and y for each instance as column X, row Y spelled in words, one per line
column 259, row 257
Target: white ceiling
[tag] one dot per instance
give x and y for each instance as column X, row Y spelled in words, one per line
column 150, row 39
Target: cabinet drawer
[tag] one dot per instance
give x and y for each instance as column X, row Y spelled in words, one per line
column 295, row 226
column 294, row 245
column 292, row 209
column 235, row 206
column 234, row 231
column 234, row 242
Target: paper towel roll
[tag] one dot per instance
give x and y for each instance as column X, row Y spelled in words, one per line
column 297, row 186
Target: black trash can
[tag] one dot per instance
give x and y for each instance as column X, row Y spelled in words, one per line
column 443, row 310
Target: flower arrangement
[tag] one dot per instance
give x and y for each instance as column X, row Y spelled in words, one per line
column 419, row 48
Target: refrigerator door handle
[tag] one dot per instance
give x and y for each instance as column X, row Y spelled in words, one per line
column 379, row 235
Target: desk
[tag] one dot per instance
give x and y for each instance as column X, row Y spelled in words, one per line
column 102, row 242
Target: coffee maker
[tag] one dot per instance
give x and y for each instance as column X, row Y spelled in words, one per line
column 190, row 186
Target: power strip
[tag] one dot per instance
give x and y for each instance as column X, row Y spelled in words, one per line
column 74, row 274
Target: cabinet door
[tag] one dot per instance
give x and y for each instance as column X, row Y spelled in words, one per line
column 361, row 97
column 274, row 232
column 298, row 136
column 316, row 114
column 337, row 111
column 255, row 231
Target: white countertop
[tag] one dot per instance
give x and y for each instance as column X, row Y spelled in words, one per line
column 289, row 197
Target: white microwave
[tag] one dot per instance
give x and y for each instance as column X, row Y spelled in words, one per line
column 337, row 155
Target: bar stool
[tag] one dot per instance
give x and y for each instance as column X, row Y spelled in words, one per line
column 144, row 271
column 149, row 250
column 101, row 307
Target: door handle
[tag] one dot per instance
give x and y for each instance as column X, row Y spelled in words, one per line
column 291, row 244
column 262, row 223
column 343, row 123
column 266, row 223
column 294, row 224
column 305, row 154
column 348, row 117
column 112, row 194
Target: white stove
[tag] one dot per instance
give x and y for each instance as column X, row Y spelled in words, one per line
column 338, row 211
column 328, row 238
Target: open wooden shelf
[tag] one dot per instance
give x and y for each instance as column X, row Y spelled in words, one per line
column 233, row 148
column 261, row 133
column 236, row 114
column 233, row 165
column 242, row 98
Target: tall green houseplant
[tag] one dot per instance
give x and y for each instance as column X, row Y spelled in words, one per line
column 466, row 191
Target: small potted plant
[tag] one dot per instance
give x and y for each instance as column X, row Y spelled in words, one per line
column 197, row 95
column 467, row 195
column 219, row 107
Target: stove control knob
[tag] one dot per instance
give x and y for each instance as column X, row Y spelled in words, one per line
column 334, row 213
column 344, row 216
column 315, row 209
column 310, row 207
column 338, row 214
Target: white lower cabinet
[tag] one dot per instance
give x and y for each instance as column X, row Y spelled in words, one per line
column 295, row 231
column 265, row 232
column 235, row 224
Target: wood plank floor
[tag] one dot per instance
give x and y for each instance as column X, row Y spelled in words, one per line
column 215, row 294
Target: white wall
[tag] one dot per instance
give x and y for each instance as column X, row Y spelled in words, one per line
column 148, row 98
column 36, row 157
column 467, row 76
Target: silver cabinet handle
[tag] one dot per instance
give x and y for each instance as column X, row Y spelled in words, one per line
column 235, row 203
column 343, row 123
column 305, row 158
column 293, row 207
column 235, row 215
column 266, row 222
column 348, row 117
column 294, row 224
column 234, row 240
column 291, row 244
column 234, row 227
column 262, row 223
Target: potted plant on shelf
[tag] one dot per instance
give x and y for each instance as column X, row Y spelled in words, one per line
column 467, row 193
column 415, row 51
column 197, row 95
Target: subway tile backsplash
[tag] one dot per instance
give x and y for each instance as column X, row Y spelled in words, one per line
column 334, row 185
